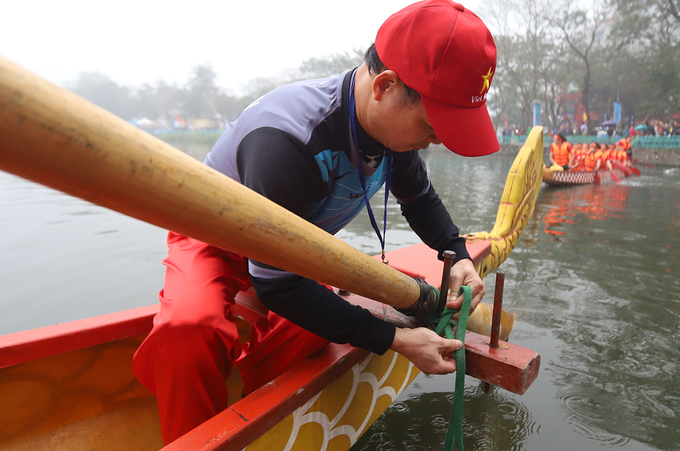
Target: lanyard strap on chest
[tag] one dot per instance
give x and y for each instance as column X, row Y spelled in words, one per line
column 362, row 176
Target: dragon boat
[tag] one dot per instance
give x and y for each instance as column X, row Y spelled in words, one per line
column 567, row 178
column 71, row 386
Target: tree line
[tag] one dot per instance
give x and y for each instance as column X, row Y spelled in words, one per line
column 575, row 58
column 200, row 97
column 565, row 52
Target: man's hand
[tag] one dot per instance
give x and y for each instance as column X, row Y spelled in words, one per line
column 428, row 351
column 463, row 273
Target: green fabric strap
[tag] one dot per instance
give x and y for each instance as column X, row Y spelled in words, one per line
column 454, row 434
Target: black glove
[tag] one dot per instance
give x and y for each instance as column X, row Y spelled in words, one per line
column 426, row 304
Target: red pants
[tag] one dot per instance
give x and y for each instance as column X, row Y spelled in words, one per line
column 194, row 342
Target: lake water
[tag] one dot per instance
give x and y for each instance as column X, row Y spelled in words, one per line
column 594, row 283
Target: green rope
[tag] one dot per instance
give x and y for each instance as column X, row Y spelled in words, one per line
column 454, row 434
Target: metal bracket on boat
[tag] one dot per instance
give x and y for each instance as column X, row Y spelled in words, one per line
column 497, row 308
column 446, row 279
column 496, row 317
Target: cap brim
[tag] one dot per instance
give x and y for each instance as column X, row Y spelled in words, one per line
column 465, row 131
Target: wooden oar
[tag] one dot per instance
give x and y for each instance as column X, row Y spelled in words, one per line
column 627, row 170
column 614, row 176
column 635, row 160
column 53, row 137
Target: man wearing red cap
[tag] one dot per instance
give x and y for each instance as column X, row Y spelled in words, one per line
column 321, row 149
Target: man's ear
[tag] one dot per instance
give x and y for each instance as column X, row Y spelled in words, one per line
column 385, row 83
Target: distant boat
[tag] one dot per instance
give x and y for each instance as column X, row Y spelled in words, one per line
column 566, row 178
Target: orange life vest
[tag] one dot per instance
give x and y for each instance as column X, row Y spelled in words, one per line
column 580, row 159
column 561, row 154
column 625, row 143
column 606, row 156
column 597, row 156
column 554, row 150
column 590, row 161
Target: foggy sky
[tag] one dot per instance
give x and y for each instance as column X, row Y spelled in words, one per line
column 136, row 42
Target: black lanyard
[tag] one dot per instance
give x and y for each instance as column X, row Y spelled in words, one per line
column 362, row 177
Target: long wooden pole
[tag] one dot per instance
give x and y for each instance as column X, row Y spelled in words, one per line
column 53, row 137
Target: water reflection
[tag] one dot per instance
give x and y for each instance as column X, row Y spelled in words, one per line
column 567, row 205
column 613, row 310
column 493, row 420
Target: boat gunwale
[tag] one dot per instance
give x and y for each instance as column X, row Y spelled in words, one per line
column 28, row 345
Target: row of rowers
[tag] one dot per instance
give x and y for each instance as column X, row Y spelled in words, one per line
column 588, row 157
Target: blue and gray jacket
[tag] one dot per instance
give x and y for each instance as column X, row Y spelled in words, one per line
column 293, row 146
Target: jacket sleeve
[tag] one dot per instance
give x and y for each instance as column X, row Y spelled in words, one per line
column 422, row 207
column 318, row 309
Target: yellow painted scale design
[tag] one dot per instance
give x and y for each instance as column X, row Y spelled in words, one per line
column 334, row 419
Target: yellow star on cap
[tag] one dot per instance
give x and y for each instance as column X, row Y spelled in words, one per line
column 486, row 78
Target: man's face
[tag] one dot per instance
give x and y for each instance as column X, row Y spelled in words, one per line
column 400, row 124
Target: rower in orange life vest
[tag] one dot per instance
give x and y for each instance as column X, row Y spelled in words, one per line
column 589, row 160
column 597, row 156
column 603, row 158
column 620, row 154
column 579, row 160
column 627, row 144
column 560, row 152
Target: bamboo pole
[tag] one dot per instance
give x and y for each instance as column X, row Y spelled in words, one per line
column 53, row 137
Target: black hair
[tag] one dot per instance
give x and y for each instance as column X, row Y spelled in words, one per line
column 562, row 137
column 376, row 66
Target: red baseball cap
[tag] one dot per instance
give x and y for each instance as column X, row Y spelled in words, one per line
column 447, row 54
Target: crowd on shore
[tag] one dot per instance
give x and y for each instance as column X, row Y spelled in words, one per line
column 647, row 128
column 655, row 127
column 588, row 157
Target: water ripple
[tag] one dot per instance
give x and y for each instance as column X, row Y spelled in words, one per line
column 588, row 408
column 492, row 421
